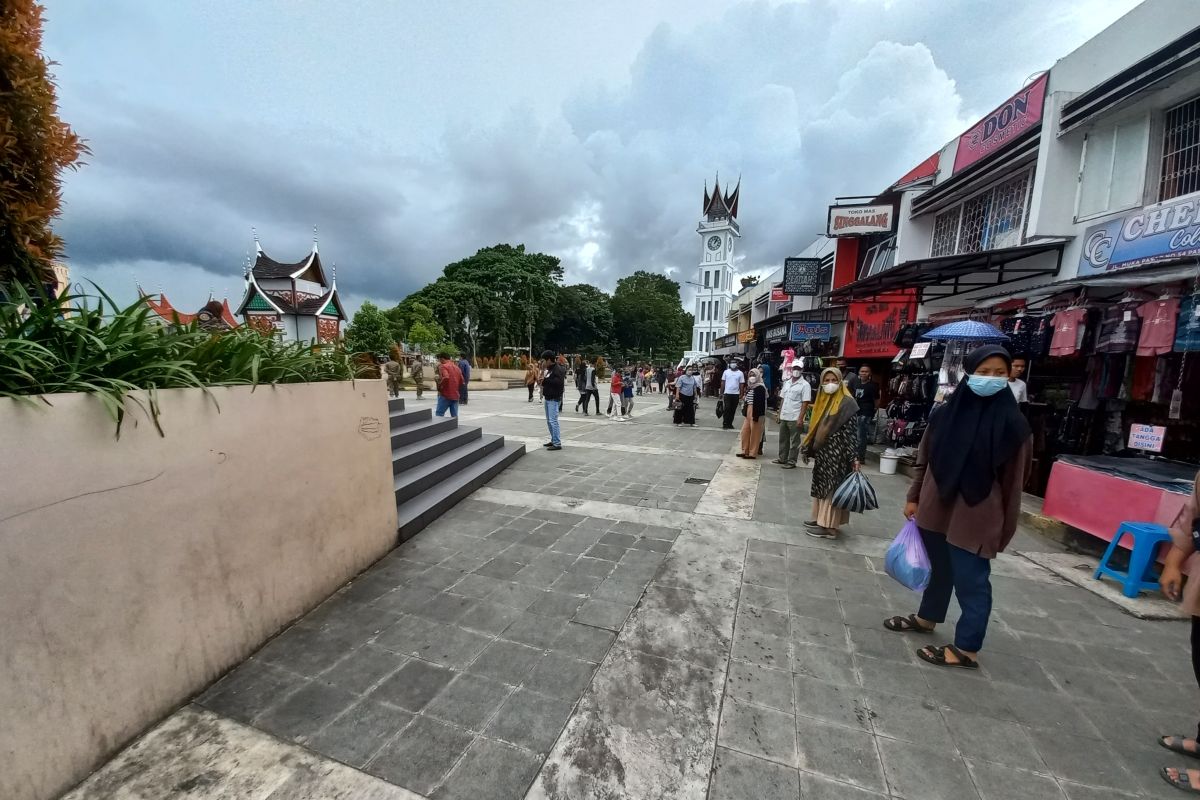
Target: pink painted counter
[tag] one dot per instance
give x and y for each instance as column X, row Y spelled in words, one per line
column 1098, row 502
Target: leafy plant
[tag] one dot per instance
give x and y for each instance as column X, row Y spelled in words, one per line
column 98, row 347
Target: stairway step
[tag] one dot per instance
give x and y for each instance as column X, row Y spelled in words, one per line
column 398, row 419
column 430, row 426
column 395, row 404
column 413, row 515
column 426, row 449
column 413, row 481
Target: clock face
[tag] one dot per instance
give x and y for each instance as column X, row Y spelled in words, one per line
column 714, row 242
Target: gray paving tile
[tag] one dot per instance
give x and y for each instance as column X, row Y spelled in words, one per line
column 248, row 690
column 584, row 642
column 823, row 632
column 886, row 645
column 1083, row 760
column 824, row 663
column 814, row 787
column 911, row 719
column 490, row 769
column 769, row 548
column 737, row 776
column 984, row 739
column 444, row 607
column 764, row 597
column 576, row 583
column 1075, row 791
column 1003, row 783
column 761, row 649
column 515, row 595
column 530, row 720
column 561, row 676
column 414, row 685
column 500, row 567
column 556, row 605
column 1052, row 711
column 363, row 668
column 843, row 754
column 468, row 702
column 921, row 773
column 421, row 756
column 438, row 578
column 305, row 711
column 535, row 630
column 607, row 552
column 758, row 620
column 756, row 684
column 507, row 662
column 758, row 731
column 403, row 599
column 488, row 618
column 478, row 586
column 309, row 651
column 832, row 703
column 355, row 736
column 602, row 613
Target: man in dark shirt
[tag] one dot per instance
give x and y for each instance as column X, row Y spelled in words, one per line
column 554, row 379
column 464, row 367
column 866, row 392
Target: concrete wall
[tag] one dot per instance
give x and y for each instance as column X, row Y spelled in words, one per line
column 134, row 572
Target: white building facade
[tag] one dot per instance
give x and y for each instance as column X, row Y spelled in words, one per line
column 714, row 277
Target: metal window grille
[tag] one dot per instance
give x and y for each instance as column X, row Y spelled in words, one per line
column 1181, row 151
column 992, row 219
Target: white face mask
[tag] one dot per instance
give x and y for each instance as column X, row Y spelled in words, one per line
column 830, row 388
column 796, row 375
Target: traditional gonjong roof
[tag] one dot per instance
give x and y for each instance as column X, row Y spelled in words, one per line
column 721, row 205
column 308, row 268
column 215, row 313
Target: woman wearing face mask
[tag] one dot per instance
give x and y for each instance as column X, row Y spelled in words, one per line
column 966, row 498
column 754, row 408
column 832, row 440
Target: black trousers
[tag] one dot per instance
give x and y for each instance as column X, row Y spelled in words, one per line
column 531, row 387
column 685, row 411
column 586, row 396
column 731, row 401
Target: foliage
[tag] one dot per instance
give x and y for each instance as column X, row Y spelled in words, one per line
column 110, row 351
column 370, row 331
column 583, row 320
column 648, row 316
column 427, row 336
column 35, row 146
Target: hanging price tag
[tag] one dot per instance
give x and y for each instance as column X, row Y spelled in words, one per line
column 920, row 350
column 1128, row 316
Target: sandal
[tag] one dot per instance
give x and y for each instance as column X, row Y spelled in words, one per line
column 937, row 657
column 1175, row 745
column 1180, row 781
column 907, row 624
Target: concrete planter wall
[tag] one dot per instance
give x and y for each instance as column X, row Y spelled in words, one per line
column 134, row 572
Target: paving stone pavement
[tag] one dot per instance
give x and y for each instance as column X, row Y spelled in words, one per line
column 590, row 625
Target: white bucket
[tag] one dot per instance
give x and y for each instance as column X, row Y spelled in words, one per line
column 887, row 465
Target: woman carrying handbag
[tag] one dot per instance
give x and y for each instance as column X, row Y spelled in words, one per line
column 832, row 440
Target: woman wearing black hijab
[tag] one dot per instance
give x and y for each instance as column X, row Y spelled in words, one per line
column 966, row 499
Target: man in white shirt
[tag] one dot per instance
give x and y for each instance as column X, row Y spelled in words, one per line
column 734, row 383
column 1019, row 389
column 794, row 397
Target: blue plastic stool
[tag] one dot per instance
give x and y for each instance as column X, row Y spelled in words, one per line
column 1147, row 536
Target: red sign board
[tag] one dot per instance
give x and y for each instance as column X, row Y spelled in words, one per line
column 872, row 327
column 778, row 296
column 1015, row 116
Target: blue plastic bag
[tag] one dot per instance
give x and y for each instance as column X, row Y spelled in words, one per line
column 906, row 559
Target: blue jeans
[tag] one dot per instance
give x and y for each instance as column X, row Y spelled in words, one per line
column 960, row 572
column 864, row 429
column 445, row 404
column 552, row 409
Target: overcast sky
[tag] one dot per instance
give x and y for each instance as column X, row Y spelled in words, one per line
column 412, row 134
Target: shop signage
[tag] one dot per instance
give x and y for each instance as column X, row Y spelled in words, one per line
column 778, row 295
column 802, row 276
column 1166, row 232
column 746, row 336
column 777, row 333
column 872, row 327
column 1146, row 437
column 723, row 342
column 804, row 331
column 920, row 350
column 859, row 220
column 1016, row 115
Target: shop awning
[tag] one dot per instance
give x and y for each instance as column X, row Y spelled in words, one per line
column 1120, row 279
column 947, row 276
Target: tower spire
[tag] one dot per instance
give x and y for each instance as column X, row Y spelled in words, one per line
column 314, row 238
column 254, row 233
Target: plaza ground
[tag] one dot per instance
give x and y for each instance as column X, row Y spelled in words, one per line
column 640, row 615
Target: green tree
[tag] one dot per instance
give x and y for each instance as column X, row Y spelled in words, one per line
column 429, row 336
column 35, row 146
column 647, row 314
column 370, row 331
column 582, row 322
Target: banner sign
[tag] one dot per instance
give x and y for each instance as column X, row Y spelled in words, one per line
column 778, row 295
column 746, row 336
column 803, row 331
column 872, row 328
column 859, row 220
column 1016, row 115
column 722, row 342
column 802, row 276
column 1166, row 232
column 1146, row 437
column 776, row 333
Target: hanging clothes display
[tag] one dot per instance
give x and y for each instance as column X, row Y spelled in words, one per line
column 1187, row 330
column 1118, row 330
column 1070, row 324
column 1158, row 326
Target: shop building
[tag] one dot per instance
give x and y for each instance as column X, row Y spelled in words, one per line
column 1069, row 217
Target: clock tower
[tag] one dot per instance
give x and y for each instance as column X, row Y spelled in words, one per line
column 718, row 231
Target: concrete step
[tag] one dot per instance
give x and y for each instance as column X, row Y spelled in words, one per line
column 398, row 419
column 426, row 475
column 516, row 383
column 395, row 404
column 423, row 450
column 414, row 514
column 423, row 429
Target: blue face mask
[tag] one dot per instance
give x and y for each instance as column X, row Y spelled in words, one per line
column 986, row 385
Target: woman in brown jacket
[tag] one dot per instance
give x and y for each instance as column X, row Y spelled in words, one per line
column 1185, row 532
column 966, row 498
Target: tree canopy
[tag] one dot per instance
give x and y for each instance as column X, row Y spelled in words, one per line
column 369, row 331
column 647, row 314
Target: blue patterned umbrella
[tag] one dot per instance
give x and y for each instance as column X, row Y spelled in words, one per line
column 967, row 329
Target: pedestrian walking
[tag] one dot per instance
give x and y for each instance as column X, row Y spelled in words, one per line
column 627, row 395
column 464, row 367
column 395, row 376
column 734, row 383
column 614, row 396
column 768, row 379
column 831, row 442
column 554, row 381
column 794, row 396
column 580, row 380
column 866, row 392
column 966, row 498
column 687, row 392
column 531, row 379
column 449, row 385
column 590, row 386
column 754, row 409
column 1185, row 532
column 417, row 371
column 660, row 377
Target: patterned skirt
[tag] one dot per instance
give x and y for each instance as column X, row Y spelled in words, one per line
column 834, row 462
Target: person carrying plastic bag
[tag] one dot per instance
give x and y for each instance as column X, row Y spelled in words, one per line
column 965, row 499
column 906, row 559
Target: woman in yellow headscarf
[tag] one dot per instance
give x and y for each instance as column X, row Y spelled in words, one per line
column 832, row 439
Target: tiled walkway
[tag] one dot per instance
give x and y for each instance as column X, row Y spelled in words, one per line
column 592, row 625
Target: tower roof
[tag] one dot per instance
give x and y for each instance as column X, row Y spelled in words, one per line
column 213, row 311
column 266, row 267
column 718, row 204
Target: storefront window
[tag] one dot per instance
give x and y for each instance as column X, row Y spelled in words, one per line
column 1181, row 151
column 990, row 220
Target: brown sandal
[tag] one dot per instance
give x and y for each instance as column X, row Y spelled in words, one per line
column 937, row 657
column 907, row 624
